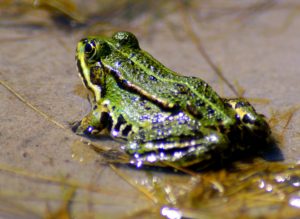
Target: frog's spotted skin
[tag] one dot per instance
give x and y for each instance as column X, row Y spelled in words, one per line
column 161, row 115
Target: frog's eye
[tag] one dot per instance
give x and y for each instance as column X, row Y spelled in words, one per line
column 89, row 49
column 126, row 39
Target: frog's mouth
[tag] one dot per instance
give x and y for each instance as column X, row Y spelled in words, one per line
column 84, row 71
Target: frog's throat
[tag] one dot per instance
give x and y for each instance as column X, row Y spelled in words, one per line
column 84, row 74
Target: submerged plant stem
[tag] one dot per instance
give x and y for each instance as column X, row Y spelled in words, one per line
column 22, row 99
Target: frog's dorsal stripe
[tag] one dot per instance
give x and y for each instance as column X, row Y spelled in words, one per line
column 125, row 83
column 165, row 102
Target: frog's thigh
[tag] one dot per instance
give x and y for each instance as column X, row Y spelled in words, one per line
column 190, row 149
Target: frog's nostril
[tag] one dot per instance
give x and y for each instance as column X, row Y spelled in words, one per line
column 84, row 40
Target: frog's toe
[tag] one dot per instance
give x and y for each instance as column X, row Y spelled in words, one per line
column 75, row 126
column 78, row 129
column 81, row 129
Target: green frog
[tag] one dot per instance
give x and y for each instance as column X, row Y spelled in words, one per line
column 161, row 116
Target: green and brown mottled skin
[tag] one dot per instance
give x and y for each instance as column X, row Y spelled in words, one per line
column 161, row 115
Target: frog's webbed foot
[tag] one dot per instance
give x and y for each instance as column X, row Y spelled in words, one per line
column 182, row 151
column 89, row 125
column 83, row 129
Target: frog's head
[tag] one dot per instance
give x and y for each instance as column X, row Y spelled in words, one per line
column 92, row 52
column 89, row 53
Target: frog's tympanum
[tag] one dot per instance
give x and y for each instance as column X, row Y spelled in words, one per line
column 161, row 116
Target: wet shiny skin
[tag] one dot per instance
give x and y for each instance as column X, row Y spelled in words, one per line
column 160, row 115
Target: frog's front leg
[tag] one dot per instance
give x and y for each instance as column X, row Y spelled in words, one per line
column 206, row 145
column 92, row 123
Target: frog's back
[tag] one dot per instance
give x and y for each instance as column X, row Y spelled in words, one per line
column 162, row 115
column 145, row 75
